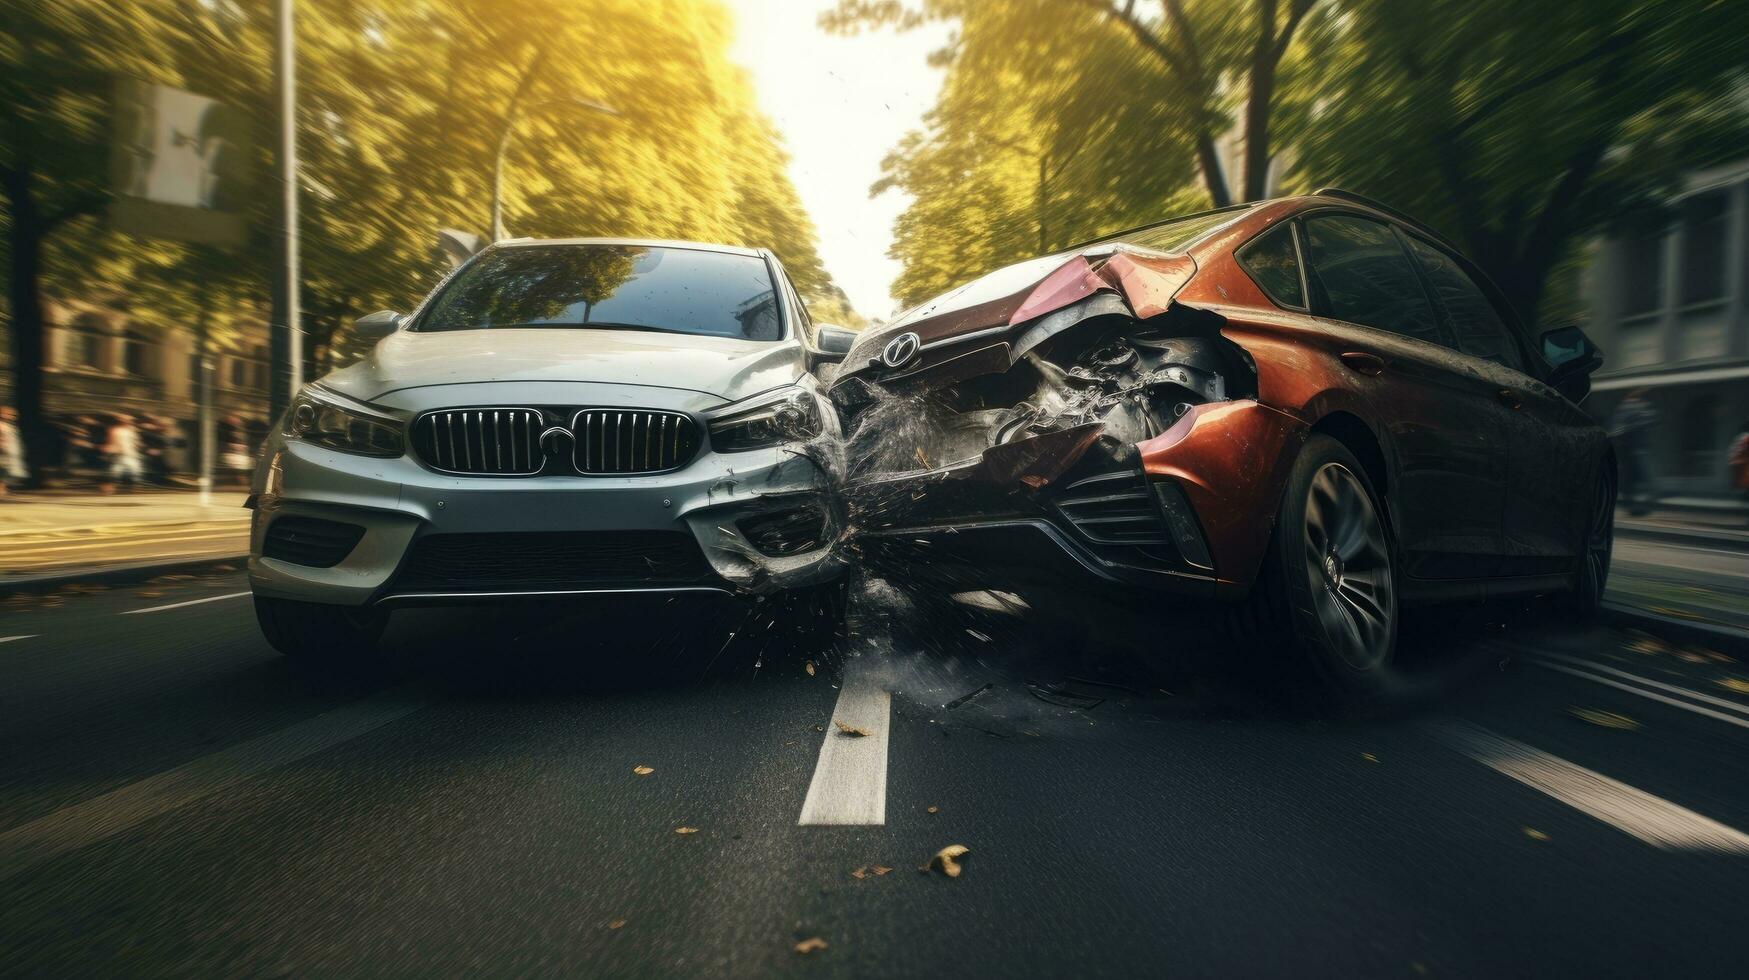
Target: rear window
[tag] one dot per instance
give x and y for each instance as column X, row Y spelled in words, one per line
column 611, row 287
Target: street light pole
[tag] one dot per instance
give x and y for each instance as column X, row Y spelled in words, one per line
column 511, row 116
column 285, row 333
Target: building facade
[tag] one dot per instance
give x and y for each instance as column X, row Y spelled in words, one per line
column 1669, row 305
column 99, row 362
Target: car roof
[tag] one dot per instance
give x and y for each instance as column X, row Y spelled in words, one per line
column 637, row 242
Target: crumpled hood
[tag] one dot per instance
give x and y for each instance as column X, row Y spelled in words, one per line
column 728, row 368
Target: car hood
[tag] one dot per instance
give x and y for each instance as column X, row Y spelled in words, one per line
column 725, row 367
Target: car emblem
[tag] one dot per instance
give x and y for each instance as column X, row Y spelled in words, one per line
column 558, row 442
column 901, row 350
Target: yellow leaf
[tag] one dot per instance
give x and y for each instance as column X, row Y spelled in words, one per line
column 809, row 667
column 1737, row 684
column 950, row 860
column 642, row 770
column 1535, row 834
column 852, row 730
column 879, row 870
column 1604, row 719
column 686, row 830
column 1368, row 756
column 616, row 924
column 811, row 945
column 934, row 809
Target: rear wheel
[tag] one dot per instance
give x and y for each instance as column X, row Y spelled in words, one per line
column 1327, row 590
column 1587, row 597
column 314, row 632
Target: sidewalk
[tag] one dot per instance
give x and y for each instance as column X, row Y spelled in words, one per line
column 64, row 532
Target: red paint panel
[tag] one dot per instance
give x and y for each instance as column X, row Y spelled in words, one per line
column 1231, row 458
column 1148, row 282
column 1071, row 283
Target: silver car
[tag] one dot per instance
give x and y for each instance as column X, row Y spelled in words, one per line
column 559, row 418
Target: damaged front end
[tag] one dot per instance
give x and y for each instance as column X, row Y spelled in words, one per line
column 1031, row 449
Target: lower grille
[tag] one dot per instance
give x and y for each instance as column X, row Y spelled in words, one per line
column 1114, row 508
column 786, row 532
column 541, row 560
column 611, row 440
column 494, row 441
column 309, row 541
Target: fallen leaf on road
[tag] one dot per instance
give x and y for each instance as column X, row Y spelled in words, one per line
column 879, row 870
column 642, row 770
column 950, row 860
column 813, row 945
column 809, row 667
column 1737, row 684
column 616, row 924
column 148, row 595
column 1603, row 719
column 934, row 809
column 853, row 731
column 859, row 873
column 1368, row 756
column 1535, row 834
column 686, row 830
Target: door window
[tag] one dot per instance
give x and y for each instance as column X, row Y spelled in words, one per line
column 1361, row 274
column 1274, row 264
column 1475, row 321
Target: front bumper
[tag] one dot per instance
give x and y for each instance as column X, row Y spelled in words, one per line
column 1188, row 512
column 402, row 506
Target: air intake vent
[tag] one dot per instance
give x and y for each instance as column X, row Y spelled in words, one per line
column 612, row 441
column 310, row 541
column 490, row 441
column 533, row 561
column 1114, row 508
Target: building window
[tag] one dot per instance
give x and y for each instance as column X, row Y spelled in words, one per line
column 85, row 343
column 237, row 367
column 1642, row 276
column 1705, row 218
column 137, row 354
column 1697, row 445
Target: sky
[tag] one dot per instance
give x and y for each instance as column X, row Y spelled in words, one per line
column 841, row 104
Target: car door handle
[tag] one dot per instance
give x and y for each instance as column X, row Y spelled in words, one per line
column 1510, row 398
column 1361, row 362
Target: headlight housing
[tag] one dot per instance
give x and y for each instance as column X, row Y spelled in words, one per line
column 789, row 415
column 326, row 419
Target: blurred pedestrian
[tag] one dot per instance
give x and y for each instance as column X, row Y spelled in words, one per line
column 13, row 472
column 121, row 447
column 1739, row 463
column 234, row 454
column 1631, row 427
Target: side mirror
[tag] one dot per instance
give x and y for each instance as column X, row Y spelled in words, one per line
column 834, row 341
column 1571, row 357
column 376, row 326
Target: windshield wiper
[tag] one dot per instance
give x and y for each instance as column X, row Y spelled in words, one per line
column 572, row 325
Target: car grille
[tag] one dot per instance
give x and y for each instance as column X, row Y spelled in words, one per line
column 1113, row 508
column 489, row 441
column 611, row 440
column 529, row 561
column 310, row 541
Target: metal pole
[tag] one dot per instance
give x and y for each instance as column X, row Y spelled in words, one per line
column 204, row 390
column 286, row 334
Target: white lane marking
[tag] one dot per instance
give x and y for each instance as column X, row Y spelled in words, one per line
column 82, row 824
column 179, row 605
column 850, row 780
column 21, row 636
column 1655, row 820
column 1728, row 705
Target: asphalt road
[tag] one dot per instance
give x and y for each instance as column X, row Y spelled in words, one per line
column 175, row 799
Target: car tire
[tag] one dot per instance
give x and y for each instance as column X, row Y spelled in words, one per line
column 314, row 632
column 1596, row 548
column 813, row 618
column 1327, row 590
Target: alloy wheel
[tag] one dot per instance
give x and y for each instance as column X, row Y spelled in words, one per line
column 1349, row 561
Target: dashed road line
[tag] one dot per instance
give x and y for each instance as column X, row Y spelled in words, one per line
column 179, row 605
column 94, row 820
column 1655, row 820
column 1699, row 709
column 21, row 636
column 850, row 780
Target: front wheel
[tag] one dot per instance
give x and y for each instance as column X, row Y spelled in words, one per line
column 1327, row 590
column 313, row 632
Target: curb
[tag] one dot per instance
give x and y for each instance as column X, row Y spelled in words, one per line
column 133, row 572
column 1724, row 639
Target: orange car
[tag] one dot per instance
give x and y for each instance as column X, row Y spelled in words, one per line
column 1314, row 409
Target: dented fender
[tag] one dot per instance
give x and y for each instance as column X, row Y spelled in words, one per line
column 1231, row 459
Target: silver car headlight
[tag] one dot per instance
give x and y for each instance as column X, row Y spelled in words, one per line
column 327, row 419
column 789, row 415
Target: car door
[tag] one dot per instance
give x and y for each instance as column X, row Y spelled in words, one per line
column 1442, row 420
column 1553, row 443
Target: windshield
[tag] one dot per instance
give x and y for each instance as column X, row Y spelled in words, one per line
column 607, row 287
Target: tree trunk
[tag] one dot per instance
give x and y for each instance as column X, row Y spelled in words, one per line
column 1257, row 122
column 26, row 233
column 1210, row 163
